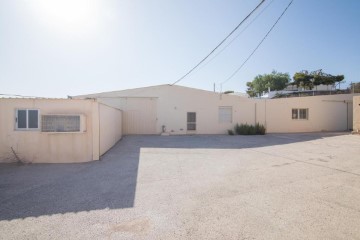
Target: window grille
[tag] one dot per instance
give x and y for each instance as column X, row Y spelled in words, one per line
column 191, row 121
column 60, row 123
column 300, row 113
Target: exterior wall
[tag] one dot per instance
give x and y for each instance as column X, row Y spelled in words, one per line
column 356, row 114
column 135, row 111
column 50, row 147
column 172, row 112
column 110, row 121
column 169, row 107
column 326, row 113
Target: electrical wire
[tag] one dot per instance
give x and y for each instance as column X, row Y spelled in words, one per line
column 262, row 1
column 227, row 45
column 252, row 53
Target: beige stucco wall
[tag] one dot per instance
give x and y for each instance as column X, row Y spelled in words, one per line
column 139, row 113
column 356, row 114
column 326, row 113
column 167, row 105
column 110, row 122
column 40, row 147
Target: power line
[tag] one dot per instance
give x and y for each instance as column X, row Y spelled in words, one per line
column 252, row 53
column 227, row 45
column 262, row 1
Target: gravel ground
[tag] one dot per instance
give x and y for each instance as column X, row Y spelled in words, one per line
column 278, row 186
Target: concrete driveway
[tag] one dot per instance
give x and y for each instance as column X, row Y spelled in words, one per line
column 278, row 186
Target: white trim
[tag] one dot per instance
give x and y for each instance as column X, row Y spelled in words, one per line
column 27, row 119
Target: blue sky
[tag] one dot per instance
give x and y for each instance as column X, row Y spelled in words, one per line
column 59, row 48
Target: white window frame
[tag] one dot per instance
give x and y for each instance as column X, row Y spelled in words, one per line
column 27, row 119
column 222, row 119
column 298, row 117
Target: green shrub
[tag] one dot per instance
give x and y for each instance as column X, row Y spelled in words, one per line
column 260, row 129
column 246, row 129
column 251, row 130
column 230, row 132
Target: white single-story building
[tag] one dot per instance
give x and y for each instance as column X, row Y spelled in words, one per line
column 82, row 128
column 183, row 110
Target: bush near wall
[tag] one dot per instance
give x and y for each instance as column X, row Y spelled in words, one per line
column 247, row 129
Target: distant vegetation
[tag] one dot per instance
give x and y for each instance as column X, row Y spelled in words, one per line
column 246, row 129
column 309, row 80
column 261, row 83
column 276, row 81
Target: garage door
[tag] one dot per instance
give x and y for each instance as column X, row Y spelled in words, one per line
column 139, row 115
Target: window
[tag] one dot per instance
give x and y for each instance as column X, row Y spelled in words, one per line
column 27, row 119
column 295, row 114
column 191, row 121
column 225, row 114
column 60, row 123
column 300, row 113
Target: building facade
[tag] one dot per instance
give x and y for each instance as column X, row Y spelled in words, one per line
column 56, row 130
column 183, row 110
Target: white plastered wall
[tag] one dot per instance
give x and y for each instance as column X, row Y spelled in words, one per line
column 46, row 147
column 356, row 114
column 326, row 113
column 110, row 122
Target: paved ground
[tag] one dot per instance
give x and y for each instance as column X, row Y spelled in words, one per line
column 278, row 186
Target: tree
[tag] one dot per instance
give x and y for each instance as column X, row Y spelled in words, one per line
column 308, row 79
column 261, row 83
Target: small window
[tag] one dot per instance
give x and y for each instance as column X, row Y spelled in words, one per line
column 191, row 121
column 27, row 119
column 225, row 114
column 60, row 123
column 300, row 113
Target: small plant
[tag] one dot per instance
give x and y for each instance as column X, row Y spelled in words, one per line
column 231, row 132
column 238, row 129
column 246, row 129
column 251, row 130
column 260, row 129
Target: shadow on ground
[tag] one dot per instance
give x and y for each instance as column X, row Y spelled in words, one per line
column 46, row 189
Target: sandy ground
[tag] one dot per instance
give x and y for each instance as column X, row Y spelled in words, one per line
column 278, row 186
